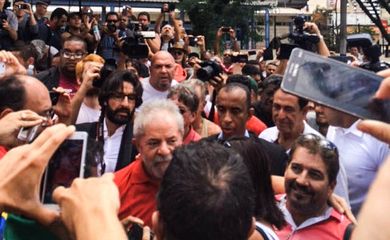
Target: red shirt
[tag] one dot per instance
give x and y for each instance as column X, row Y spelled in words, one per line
column 68, row 83
column 3, row 151
column 137, row 192
column 192, row 136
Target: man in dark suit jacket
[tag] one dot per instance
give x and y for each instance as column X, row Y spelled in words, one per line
column 110, row 139
column 233, row 103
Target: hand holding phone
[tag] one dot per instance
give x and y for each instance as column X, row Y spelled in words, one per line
column 335, row 85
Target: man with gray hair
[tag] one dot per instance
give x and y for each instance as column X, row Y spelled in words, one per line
column 158, row 130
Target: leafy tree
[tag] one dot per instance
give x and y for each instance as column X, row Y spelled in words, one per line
column 208, row 15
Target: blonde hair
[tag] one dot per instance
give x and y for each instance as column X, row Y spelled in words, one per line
column 88, row 58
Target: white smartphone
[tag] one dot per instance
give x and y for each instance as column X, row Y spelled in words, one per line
column 67, row 163
column 335, row 84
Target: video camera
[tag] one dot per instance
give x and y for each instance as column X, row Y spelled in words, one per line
column 134, row 45
column 209, row 70
column 302, row 38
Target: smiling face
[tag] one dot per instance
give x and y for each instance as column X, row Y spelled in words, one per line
column 307, row 184
column 157, row 143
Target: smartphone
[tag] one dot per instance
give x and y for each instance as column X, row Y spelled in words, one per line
column 2, row 68
column 67, row 163
column 136, row 233
column 28, row 134
column 335, row 84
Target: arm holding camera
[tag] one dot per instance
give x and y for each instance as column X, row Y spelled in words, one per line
column 11, row 27
column 91, row 71
column 233, row 39
column 218, row 36
column 89, row 208
column 321, row 45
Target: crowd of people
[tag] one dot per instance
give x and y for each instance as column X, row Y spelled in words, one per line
column 183, row 142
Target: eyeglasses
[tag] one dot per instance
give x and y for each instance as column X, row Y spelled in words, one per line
column 119, row 97
column 76, row 55
column 49, row 114
column 112, row 21
column 177, row 52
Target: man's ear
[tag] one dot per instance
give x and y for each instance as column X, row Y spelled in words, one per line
column 157, row 225
column 5, row 112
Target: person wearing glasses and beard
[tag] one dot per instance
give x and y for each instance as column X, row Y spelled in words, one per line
column 110, row 137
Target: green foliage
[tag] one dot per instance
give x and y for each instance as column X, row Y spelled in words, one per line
column 208, row 15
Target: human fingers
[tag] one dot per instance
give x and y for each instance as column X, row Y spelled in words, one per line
column 50, row 139
column 146, row 233
column 130, row 220
column 379, row 130
column 384, row 89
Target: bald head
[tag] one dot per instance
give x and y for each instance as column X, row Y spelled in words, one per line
column 37, row 95
column 162, row 71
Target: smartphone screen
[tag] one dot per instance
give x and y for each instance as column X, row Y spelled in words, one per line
column 335, row 84
column 67, row 163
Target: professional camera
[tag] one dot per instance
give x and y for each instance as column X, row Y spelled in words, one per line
column 302, row 38
column 209, row 70
column 134, row 45
column 3, row 16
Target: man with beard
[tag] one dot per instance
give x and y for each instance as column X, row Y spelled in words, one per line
column 74, row 49
column 158, row 130
column 119, row 95
column 310, row 178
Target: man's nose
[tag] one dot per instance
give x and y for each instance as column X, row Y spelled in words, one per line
column 164, row 149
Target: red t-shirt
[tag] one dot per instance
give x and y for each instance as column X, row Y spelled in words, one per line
column 137, row 192
column 68, row 83
column 3, row 151
column 192, row 136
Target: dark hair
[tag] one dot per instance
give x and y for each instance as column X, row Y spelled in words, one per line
column 258, row 163
column 76, row 39
column 318, row 145
column 206, row 194
column 12, row 93
column 186, row 96
column 234, row 85
column 58, row 13
column 112, row 13
column 115, row 82
column 250, row 69
column 144, row 14
column 28, row 51
column 274, row 79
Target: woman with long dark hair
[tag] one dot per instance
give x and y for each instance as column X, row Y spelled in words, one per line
column 267, row 213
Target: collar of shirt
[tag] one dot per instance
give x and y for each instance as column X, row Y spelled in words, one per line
column 220, row 135
column 308, row 222
column 351, row 130
column 119, row 130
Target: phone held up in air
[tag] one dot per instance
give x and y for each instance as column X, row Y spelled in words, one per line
column 336, row 85
column 66, row 164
